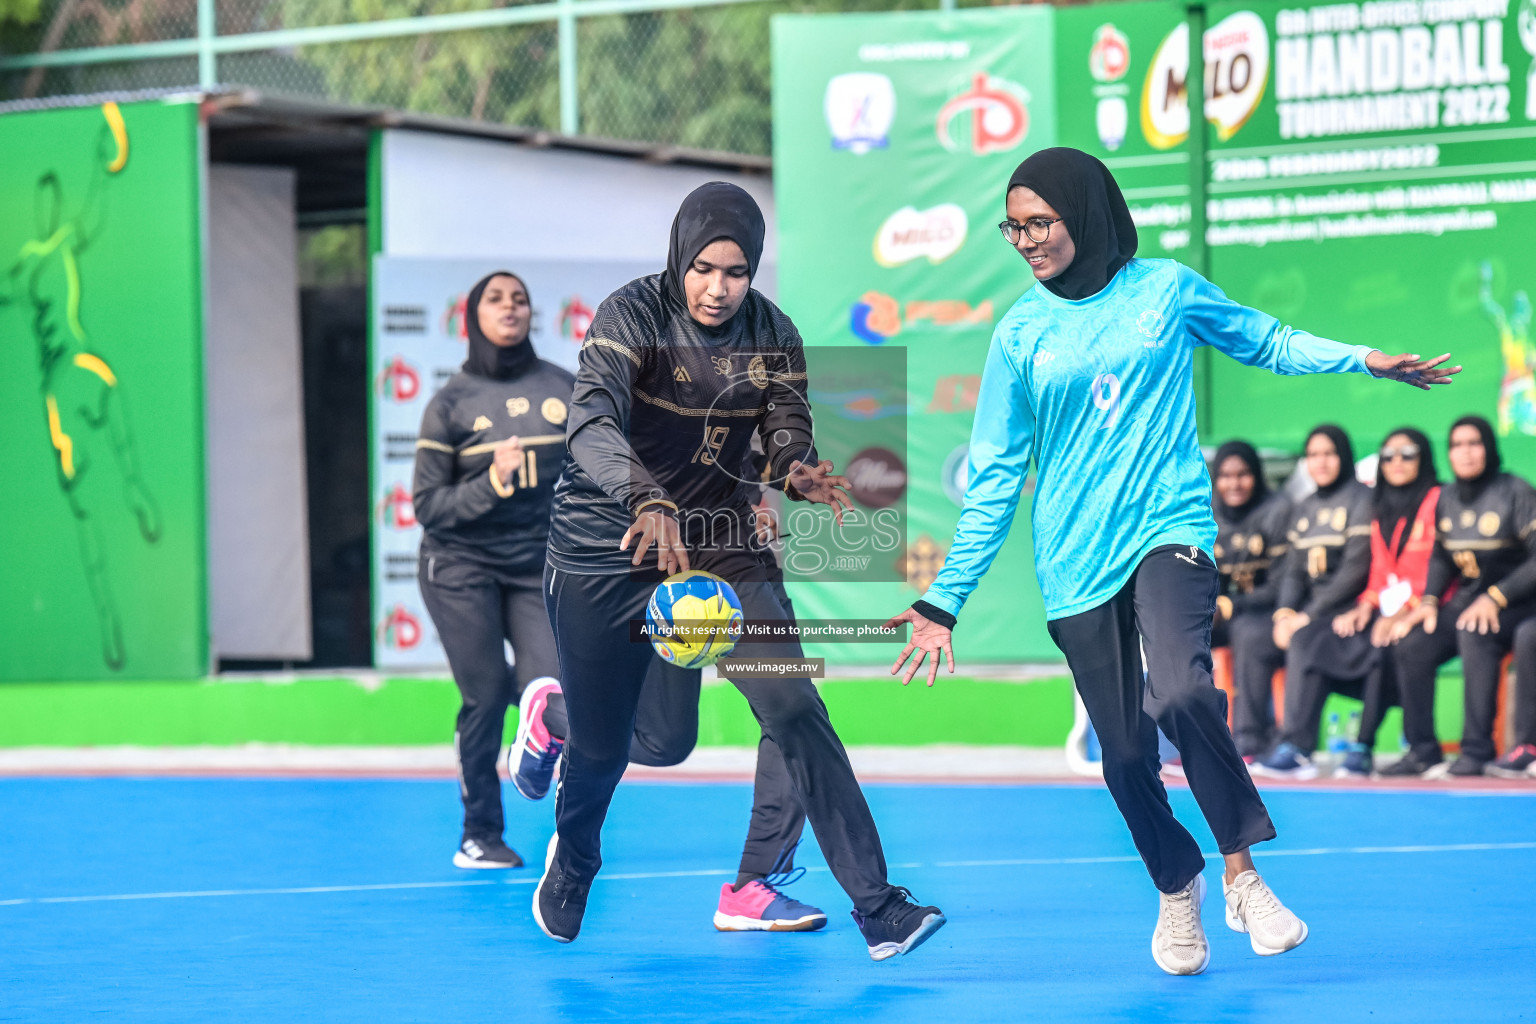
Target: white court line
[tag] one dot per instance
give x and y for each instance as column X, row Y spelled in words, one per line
column 1321, row 851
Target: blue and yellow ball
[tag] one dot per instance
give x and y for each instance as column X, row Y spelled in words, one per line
column 695, row 617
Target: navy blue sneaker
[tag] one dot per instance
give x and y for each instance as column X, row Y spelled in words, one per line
column 1285, row 762
column 559, row 901
column 899, row 927
column 1356, row 764
column 535, row 751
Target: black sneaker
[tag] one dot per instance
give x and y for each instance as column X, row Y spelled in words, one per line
column 1410, row 767
column 486, row 853
column 1465, row 767
column 900, row 927
column 1515, row 764
column 559, row 901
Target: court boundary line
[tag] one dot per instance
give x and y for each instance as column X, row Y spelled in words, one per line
column 619, row 876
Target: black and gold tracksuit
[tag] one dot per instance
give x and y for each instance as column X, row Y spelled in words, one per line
column 1484, row 545
column 1250, row 552
column 1326, row 570
column 662, row 418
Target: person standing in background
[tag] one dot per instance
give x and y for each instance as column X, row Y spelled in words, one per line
column 492, row 445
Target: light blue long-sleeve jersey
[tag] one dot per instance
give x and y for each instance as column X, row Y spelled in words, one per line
column 1100, row 392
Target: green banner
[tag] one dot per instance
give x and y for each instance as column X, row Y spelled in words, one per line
column 101, row 394
column 1373, row 179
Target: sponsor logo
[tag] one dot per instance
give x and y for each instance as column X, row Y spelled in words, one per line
column 910, row 233
column 757, row 372
column 396, row 510
column 1109, row 58
column 956, row 471
column 454, row 324
column 399, row 630
column 877, row 317
column 553, row 410
column 955, row 393
column 722, row 365
column 999, row 115
column 860, row 107
column 877, row 477
column 518, row 406
column 1236, row 71
column 1164, row 94
column 921, row 563
column 681, row 376
column 399, row 381
column 575, row 320
column 482, row 423
column 1111, row 117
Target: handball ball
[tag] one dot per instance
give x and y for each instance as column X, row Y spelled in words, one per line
column 702, row 614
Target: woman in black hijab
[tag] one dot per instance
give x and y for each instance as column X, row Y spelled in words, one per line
column 1402, row 538
column 1089, row 380
column 1251, row 526
column 491, row 445
column 679, row 371
column 1479, row 604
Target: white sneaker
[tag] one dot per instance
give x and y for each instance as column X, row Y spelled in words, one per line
column 1178, row 942
column 1252, row 908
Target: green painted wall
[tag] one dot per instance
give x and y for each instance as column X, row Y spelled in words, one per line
column 101, row 395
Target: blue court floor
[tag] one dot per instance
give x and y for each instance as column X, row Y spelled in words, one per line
column 307, row 900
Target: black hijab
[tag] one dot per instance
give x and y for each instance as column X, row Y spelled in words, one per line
column 487, row 359
column 1470, row 490
column 1092, row 210
column 1242, row 450
column 711, row 212
column 1400, row 504
column 1346, row 452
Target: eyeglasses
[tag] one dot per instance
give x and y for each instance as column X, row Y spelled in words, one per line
column 1405, row 453
column 1037, row 228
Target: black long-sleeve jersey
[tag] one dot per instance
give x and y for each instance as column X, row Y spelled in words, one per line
column 1329, row 562
column 464, row 512
column 1249, row 553
column 1487, row 546
column 663, row 416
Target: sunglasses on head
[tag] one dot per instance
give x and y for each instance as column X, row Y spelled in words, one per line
column 1406, row 452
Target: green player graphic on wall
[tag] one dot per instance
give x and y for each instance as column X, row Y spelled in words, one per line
column 80, row 397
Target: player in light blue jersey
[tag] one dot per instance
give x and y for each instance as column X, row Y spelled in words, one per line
column 1089, row 375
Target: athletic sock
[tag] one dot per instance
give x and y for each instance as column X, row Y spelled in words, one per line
column 554, row 717
column 746, row 878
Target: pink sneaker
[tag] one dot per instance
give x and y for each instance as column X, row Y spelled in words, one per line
column 759, row 907
column 535, row 749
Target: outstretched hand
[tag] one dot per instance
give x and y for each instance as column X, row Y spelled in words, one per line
column 817, row 483
column 928, row 637
column 662, row 530
column 1411, row 369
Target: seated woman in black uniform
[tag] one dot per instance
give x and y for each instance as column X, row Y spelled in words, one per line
column 1480, row 601
column 1251, row 526
column 1326, row 570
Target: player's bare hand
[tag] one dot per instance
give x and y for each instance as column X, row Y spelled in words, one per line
column 1411, row 369
column 1286, row 627
column 819, row 484
column 1353, row 621
column 765, row 524
column 509, row 459
column 659, row 528
column 1381, row 629
column 928, row 637
column 1481, row 616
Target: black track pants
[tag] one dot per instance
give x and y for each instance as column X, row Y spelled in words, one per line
column 1416, row 660
column 1320, row 662
column 1166, row 609
column 1481, row 655
column 1525, row 682
column 1251, row 638
column 603, row 675
column 475, row 612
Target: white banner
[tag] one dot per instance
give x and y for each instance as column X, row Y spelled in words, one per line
column 418, row 344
